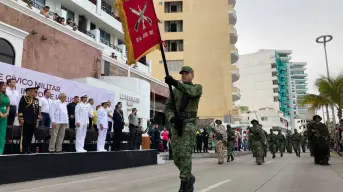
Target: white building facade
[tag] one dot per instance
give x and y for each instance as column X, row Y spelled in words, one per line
column 265, row 83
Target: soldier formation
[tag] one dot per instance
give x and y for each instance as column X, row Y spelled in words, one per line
column 181, row 112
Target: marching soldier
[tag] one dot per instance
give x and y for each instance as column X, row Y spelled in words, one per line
column 82, row 113
column 272, row 143
column 304, row 141
column 187, row 97
column 230, row 142
column 28, row 112
column 219, row 135
column 296, row 139
column 258, row 141
column 281, row 142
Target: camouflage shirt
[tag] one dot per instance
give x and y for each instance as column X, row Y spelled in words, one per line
column 194, row 91
column 220, row 129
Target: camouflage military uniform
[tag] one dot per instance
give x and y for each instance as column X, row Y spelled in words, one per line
column 230, row 142
column 304, row 141
column 267, row 139
column 183, row 145
column 281, row 143
column 272, row 143
column 296, row 139
column 258, row 141
column 289, row 143
column 220, row 136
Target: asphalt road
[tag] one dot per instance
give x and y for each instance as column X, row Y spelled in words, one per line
column 287, row 174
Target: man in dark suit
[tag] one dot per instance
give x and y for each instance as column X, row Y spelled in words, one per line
column 118, row 126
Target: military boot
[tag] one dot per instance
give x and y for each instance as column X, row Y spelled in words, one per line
column 184, row 186
column 273, row 156
column 191, row 184
column 228, row 159
column 281, row 154
column 232, row 159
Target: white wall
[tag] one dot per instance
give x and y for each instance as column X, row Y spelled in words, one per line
column 133, row 87
column 256, row 81
column 16, row 38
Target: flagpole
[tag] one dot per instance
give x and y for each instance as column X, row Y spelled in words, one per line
column 167, row 74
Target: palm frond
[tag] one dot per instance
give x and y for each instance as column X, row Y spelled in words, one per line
column 316, row 101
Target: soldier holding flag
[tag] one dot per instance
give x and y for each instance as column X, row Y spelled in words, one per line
column 142, row 36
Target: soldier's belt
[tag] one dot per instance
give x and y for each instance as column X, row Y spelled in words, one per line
column 186, row 115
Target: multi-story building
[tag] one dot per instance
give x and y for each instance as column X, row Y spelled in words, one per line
column 299, row 87
column 89, row 44
column 265, row 82
column 201, row 34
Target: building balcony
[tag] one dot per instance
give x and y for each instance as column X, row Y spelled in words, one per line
column 234, row 54
column 234, row 73
column 236, row 94
column 233, row 35
column 232, row 2
column 232, row 17
column 299, row 75
column 103, row 18
column 285, row 58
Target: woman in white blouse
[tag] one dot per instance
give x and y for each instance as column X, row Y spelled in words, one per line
column 59, row 121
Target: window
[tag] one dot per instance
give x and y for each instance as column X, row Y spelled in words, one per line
column 264, row 118
column 173, row 7
column 276, row 99
column 173, row 26
column 67, row 14
column 174, row 45
column 39, row 4
column 275, row 82
column 7, row 54
column 275, row 90
column 106, row 68
column 120, row 42
column 274, row 74
column 105, row 37
column 174, row 65
column 93, row 26
column 273, row 65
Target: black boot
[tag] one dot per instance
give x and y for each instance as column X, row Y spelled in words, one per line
column 191, row 184
column 281, row 154
column 232, row 159
column 184, row 186
column 228, row 159
column 273, row 156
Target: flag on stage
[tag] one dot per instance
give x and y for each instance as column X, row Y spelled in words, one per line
column 140, row 26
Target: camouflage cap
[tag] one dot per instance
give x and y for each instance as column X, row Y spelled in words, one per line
column 186, row 69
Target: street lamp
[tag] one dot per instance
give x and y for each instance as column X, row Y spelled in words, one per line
column 325, row 39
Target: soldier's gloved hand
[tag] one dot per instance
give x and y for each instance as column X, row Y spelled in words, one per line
column 171, row 81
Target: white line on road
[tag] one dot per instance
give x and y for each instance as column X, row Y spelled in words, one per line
column 269, row 162
column 65, row 183
column 214, row 186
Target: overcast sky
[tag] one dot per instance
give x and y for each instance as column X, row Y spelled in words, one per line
column 293, row 25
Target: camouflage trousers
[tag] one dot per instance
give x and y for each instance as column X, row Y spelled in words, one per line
column 220, row 150
column 296, row 147
column 229, row 148
column 281, row 147
column 303, row 146
column 259, row 150
column 273, row 147
column 183, row 147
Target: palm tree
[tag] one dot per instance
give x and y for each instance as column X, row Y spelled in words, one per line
column 330, row 94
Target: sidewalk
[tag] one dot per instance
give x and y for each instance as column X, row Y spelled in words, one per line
column 210, row 154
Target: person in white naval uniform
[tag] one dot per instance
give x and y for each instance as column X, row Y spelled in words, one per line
column 82, row 113
column 102, row 126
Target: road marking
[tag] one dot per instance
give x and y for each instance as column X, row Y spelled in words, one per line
column 269, row 162
column 214, row 186
column 59, row 184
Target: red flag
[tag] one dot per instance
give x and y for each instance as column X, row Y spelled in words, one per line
column 140, row 26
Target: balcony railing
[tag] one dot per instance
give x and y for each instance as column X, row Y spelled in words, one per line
column 104, row 41
column 87, row 33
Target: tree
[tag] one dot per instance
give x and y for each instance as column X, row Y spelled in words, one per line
column 330, row 94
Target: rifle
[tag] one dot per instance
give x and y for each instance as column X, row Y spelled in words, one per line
column 219, row 136
column 260, row 139
column 325, row 140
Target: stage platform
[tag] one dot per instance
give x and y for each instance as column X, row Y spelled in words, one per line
column 20, row 168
